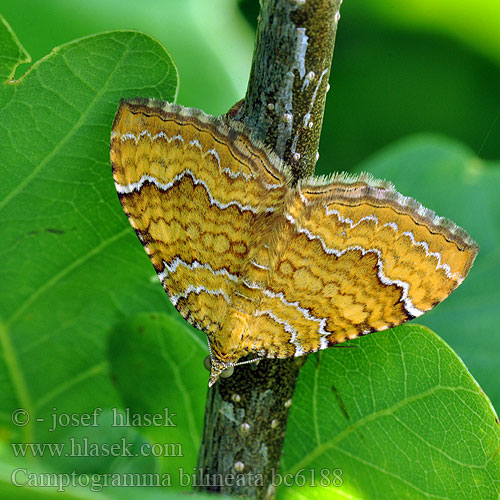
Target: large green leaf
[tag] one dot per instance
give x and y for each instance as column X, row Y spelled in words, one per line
column 397, row 417
column 207, row 38
column 157, row 365
column 70, row 264
column 450, row 179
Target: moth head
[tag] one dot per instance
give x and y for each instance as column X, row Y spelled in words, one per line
column 219, row 368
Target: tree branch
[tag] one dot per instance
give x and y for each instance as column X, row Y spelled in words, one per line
column 286, row 94
column 246, row 414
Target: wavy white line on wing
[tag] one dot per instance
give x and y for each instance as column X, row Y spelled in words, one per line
column 260, row 266
column 299, row 350
column 304, row 311
column 136, row 186
column 408, row 304
column 347, row 220
column 445, row 267
column 146, row 133
column 226, row 170
column 170, row 268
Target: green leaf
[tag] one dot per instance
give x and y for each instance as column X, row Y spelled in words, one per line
column 450, row 179
column 70, row 264
column 12, row 53
column 399, row 415
column 208, row 39
column 157, row 365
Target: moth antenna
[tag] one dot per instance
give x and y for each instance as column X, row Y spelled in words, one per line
column 255, row 360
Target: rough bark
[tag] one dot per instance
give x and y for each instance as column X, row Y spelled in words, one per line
column 246, row 414
column 285, row 100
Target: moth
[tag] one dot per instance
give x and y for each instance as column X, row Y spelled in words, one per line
column 262, row 265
